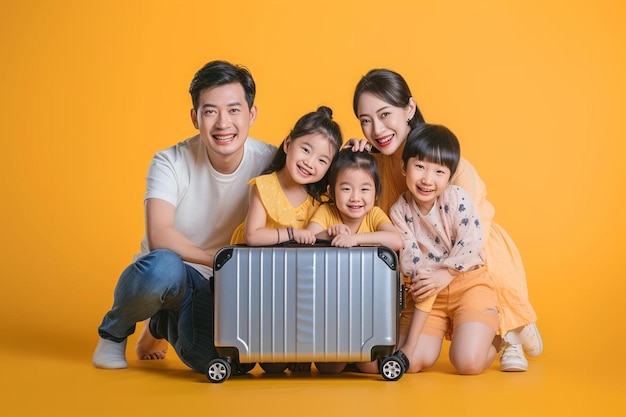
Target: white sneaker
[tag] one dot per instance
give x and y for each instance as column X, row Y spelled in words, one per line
column 110, row 355
column 531, row 340
column 528, row 336
column 512, row 359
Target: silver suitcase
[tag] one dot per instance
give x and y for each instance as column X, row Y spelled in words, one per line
column 303, row 304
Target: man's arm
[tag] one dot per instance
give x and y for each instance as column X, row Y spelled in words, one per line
column 161, row 233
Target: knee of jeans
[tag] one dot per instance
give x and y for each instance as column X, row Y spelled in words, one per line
column 163, row 255
column 161, row 265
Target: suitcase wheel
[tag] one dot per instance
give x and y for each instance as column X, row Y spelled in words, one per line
column 219, row 370
column 393, row 367
column 273, row 368
column 244, row 368
column 299, row 367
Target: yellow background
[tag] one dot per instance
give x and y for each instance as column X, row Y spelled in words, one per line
column 535, row 90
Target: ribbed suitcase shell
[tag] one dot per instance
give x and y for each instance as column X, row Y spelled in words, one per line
column 306, row 303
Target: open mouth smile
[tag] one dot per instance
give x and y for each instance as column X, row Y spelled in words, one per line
column 385, row 140
column 424, row 191
column 304, row 172
column 224, row 138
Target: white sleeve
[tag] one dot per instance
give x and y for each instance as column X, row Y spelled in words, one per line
column 163, row 179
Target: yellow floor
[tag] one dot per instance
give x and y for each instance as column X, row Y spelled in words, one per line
column 51, row 375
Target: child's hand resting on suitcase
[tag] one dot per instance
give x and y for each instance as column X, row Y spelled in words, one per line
column 345, row 240
column 341, row 236
column 338, row 229
column 304, row 236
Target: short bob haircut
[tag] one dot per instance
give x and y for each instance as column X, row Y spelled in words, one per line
column 433, row 143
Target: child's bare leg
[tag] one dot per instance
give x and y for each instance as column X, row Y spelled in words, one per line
column 148, row 347
column 408, row 344
column 421, row 350
column 425, row 354
column 472, row 349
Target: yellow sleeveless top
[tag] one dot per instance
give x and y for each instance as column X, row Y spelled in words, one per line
column 280, row 213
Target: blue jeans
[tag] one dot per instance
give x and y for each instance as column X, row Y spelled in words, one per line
column 177, row 299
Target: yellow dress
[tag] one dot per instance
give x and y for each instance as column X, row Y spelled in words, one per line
column 279, row 212
column 502, row 257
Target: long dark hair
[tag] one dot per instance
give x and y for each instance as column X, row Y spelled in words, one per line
column 390, row 87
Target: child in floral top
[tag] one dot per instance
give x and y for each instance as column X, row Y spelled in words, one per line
column 443, row 240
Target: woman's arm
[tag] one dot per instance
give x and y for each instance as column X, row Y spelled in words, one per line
column 467, row 178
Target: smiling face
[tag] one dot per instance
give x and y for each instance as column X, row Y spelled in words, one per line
column 425, row 181
column 385, row 126
column 308, row 157
column 354, row 193
column 223, row 119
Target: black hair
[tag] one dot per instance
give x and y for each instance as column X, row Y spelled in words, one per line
column 347, row 159
column 433, row 143
column 390, row 87
column 321, row 122
column 217, row 73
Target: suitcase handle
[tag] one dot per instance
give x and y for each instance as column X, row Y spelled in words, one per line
column 293, row 243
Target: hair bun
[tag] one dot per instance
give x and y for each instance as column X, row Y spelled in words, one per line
column 327, row 111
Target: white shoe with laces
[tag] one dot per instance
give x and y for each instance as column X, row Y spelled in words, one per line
column 528, row 336
column 512, row 358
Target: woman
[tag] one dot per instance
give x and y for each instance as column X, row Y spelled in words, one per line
column 385, row 107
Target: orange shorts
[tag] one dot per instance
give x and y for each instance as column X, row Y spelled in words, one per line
column 470, row 297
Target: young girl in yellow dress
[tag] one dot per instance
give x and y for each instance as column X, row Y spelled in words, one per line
column 284, row 198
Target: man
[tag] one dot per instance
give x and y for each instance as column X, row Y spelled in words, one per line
column 197, row 193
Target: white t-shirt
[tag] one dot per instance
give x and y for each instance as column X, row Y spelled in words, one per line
column 209, row 205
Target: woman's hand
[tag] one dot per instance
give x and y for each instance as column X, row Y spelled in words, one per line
column 358, row 145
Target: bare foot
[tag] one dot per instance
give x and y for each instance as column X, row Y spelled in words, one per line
column 148, row 347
